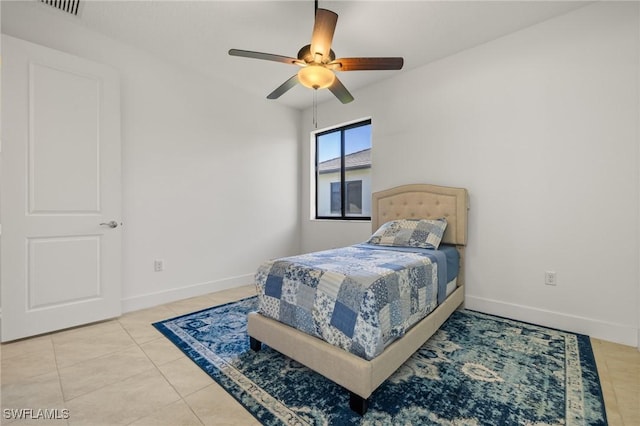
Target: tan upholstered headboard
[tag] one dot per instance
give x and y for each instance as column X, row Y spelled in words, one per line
column 421, row 201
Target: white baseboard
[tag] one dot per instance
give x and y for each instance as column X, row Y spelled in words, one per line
column 612, row 332
column 154, row 299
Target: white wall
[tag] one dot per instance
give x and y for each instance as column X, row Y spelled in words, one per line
column 210, row 174
column 542, row 128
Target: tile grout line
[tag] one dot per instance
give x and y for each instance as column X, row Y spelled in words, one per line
column 55, row 358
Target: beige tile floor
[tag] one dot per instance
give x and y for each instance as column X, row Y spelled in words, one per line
column 123, row 372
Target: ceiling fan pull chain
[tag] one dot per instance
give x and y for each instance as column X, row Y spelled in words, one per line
column 315, row 108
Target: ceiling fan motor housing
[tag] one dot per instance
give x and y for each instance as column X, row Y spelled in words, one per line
column 305, row 55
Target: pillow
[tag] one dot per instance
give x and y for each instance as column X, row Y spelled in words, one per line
column 422, row 233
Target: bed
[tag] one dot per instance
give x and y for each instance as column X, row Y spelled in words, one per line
column 354, row 372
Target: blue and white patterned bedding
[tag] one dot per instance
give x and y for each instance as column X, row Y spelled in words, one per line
column 359, row 298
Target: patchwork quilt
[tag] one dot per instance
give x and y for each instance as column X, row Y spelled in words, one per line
column 356, row 298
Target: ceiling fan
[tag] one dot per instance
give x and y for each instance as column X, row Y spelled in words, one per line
column 318, row 61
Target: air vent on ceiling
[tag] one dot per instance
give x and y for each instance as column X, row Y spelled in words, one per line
column 69, row 6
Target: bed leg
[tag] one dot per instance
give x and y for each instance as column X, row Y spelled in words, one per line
column 255, row 344
column 358, row 403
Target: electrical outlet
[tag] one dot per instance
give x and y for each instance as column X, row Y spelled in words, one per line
column 550, row 278
column 158, row 265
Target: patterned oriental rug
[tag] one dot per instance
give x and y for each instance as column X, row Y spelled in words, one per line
column 476, row 370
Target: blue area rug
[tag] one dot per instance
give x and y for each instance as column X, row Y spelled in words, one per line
column 476, row 370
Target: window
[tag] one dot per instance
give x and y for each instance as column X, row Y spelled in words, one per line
column 336, row 199
column 353, row 197
column 343, row 172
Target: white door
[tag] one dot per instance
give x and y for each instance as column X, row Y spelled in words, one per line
column 60, row 260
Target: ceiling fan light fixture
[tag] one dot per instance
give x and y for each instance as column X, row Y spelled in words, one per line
column 316, row 77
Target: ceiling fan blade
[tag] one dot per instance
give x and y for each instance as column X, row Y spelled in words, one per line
column 283, row 87
column 341, row 92
column 365, row 64
column 323, row 29
column 264, row 56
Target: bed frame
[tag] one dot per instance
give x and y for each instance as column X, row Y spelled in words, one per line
column 359, row 376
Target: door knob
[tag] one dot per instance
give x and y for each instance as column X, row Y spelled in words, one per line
column 112, row 224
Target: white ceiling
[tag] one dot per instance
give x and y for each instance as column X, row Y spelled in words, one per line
column 198, row 34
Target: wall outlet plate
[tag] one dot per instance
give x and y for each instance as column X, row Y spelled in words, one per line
column 550, row 278
column 158, row 265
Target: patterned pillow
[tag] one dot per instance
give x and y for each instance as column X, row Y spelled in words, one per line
column 422, row 233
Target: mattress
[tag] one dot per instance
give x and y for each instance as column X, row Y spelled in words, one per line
column 359, row 298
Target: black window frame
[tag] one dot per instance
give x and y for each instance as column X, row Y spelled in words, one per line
column 343, row 213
